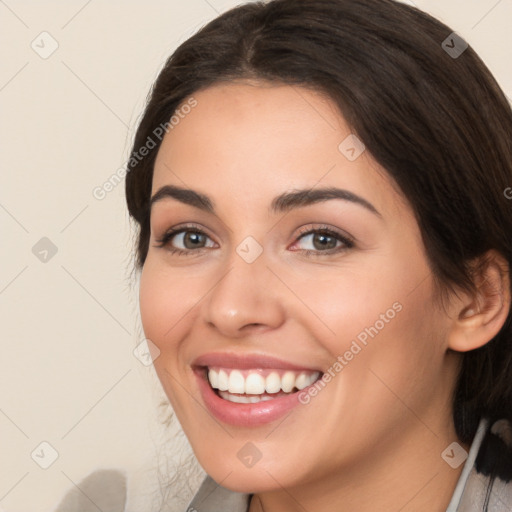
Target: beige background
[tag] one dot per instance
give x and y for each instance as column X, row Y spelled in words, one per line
column 69, row 325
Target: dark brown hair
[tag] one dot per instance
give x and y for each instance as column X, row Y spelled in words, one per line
column 437, row 122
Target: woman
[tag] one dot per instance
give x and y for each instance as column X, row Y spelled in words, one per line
column 324, row 245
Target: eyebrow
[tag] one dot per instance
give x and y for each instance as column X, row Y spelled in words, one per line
column 280, row 204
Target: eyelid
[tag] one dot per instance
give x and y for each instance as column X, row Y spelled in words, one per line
column 324, row 228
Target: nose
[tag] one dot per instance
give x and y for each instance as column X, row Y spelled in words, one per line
column 245, row 299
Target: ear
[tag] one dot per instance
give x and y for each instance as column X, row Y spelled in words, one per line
column 478, row 318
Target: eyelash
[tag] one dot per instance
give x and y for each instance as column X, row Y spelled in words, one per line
column 324, row 230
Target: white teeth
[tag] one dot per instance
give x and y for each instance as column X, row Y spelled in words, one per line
column 247, row 399
column 236, row 382
column 254, row 384
column 272, row 383
column 302, row 381
column 213, row 377
column 233, row 381
column 288, row 381
column 223, row 381
column 239, row 399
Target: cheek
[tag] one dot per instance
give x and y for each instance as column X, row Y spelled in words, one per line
column 401, row 348
column 164, row 303
column 166, row 307
column 152, row 299
column 350, row 304
column 380, row 315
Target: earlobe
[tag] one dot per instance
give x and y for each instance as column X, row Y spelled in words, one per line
column 480, row 318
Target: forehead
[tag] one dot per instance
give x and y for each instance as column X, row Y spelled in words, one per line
column 254, row 140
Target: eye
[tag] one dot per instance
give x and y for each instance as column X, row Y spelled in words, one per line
column 188, row 240
column 184, row 240
column 322, row 241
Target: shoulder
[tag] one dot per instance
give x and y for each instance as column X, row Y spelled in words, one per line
column 486, row 480
column 495, row 455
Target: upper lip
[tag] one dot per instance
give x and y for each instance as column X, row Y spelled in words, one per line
column 247, row 361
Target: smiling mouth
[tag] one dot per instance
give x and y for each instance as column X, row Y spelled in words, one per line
column 246, row 386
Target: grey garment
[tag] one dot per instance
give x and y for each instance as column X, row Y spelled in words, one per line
column 211, row 497
column 470, row 494
column 102, row 490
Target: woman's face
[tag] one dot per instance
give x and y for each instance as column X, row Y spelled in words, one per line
column 300, row 262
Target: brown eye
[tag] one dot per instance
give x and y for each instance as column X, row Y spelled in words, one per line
column 192, row 239
column 318, row 240
column 324, row 241
column 184, row 240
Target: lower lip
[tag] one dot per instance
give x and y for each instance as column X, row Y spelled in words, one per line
column 244, row 415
